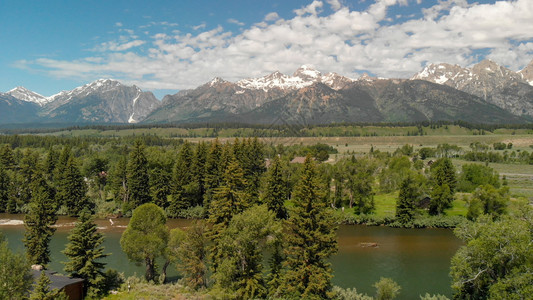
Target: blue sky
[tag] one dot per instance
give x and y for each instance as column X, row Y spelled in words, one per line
column 165, row 46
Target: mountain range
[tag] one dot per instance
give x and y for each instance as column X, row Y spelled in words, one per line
column 484, row 93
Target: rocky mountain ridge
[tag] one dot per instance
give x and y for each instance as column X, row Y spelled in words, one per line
column 484, row 93
column 493, row 83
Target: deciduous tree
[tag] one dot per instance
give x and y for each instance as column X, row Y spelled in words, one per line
column 146, row 237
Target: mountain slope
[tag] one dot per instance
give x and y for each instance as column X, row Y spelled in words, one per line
column 24, row 94
column 102, row 101
column 491, row 82
column 15, row 111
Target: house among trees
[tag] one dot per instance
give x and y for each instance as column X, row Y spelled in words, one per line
column 298, row 160
column 73, row 287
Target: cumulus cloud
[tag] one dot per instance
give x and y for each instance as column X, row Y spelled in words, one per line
column 235, row 21
column 273, row 16
column 344, row 41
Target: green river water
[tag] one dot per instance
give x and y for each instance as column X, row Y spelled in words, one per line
column 418, row 259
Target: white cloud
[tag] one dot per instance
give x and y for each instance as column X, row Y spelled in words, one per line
column 273, row 16
column 118, row 24
column 234, row 21
column 335, row 4
column 344, row 41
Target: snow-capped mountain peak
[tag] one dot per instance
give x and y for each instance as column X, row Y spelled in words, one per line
column 307, row 72
column 24, row 94
column 302, row 77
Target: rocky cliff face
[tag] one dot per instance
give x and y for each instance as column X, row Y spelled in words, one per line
column 491, row 82
column 101, row 101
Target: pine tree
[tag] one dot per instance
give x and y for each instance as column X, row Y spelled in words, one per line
column 182, row 181
column 50, row 164
column 72, row 190
column 138, row 182
column 200, row 158
column 311, row 239
column 41, row 290
column 192, row 254
column 441, row 199
column 5, row 183
column 119, row 180
column 213, row 173
column 38, row 222
column 15, row 276
column 84, row 252
column 61, row 163
column 160, row 187
column 443, row 172
column 254, row 165
column 276, row 191
column 7, row 157
column 229, row 199
column 405, row 206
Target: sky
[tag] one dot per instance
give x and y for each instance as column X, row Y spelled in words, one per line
column 166, row 46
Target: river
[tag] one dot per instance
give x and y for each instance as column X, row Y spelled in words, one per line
column 418, row 259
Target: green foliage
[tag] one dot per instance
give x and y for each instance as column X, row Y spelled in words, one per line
column 497, row 259
column 492, row 201
column 276, row 189
column 84, row 252
column 184, row 188
column 386, row 289
column 146, row 237
column 443, row 172
column 407, row 198
column 72, row 190
column 391, row 177
column 426, row 152
column 5, row 185
column 474, row 175
column 38, row 223
column 427, row 296
column 160, row 188
column 15, row 275
column 214, row 173
column 441, row 199
column 192, row 255
column 41, row 290
column 311, row 239
column 240, row 272
column 138, row 182
column 348, row 294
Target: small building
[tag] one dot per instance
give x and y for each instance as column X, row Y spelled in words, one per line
column 73, row 287
column 298, row 160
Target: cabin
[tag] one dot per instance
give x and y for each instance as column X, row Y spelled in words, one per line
column 73, row 287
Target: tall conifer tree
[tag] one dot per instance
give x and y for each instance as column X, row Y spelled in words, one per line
column 182, row 181
column 72, row 190
column 138, row 181
column 38, row 222
column 406, row 203
column 311, row 240
column 84, row 252
column 229, row 199
column 213, row 173
column 276, row 191
column 4, row 188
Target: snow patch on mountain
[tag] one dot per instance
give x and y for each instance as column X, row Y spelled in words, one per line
column 24, row 94
column 303, row 77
